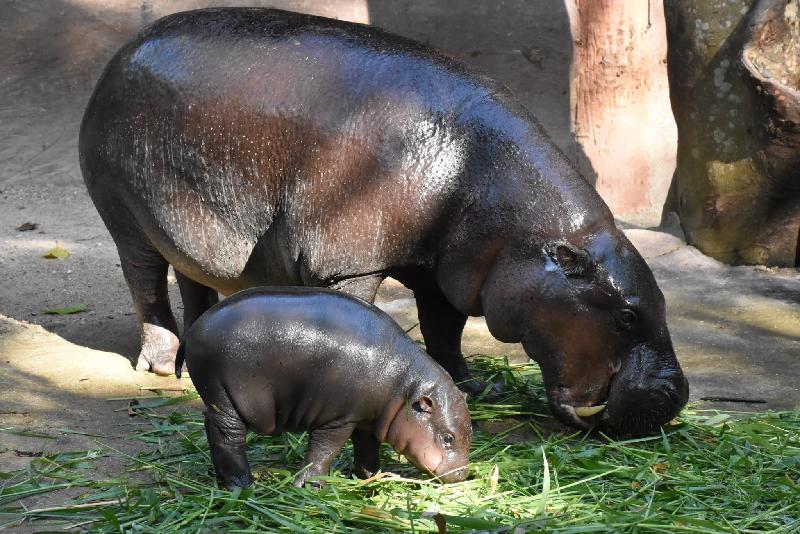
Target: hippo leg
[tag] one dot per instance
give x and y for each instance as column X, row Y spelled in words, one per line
column 366, row 449
column 442, row 325
column 145, row 271
column 196, row 297
column 364, row 287
column 226, row 438
column 324, row 443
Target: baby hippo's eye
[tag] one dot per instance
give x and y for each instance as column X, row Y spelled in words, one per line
column 448, row 439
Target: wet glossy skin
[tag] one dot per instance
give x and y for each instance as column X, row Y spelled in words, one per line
column 258, row 147
column 275, row 360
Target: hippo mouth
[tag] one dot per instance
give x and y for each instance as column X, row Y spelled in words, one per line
column 449, row 476
column 584, row 417
column 418, row 459
column 442, row 472
column 645, row 392
column 627, row 411
column 430, row 468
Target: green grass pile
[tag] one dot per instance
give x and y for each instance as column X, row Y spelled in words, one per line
column 706, row 472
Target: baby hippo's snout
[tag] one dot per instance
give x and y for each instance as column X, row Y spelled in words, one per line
column 458, row 474
column 434, row 432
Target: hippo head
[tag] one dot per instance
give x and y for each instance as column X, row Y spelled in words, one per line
column 590, row 313
column 433, row 430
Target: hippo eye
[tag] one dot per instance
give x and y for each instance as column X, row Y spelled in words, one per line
column 448, row 439
column 627, row 317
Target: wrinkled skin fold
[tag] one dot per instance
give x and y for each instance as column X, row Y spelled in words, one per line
column 251, row 147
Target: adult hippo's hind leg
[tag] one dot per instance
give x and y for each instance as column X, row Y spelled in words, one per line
column 145, row 272
column 196, row 297
column 363, row 287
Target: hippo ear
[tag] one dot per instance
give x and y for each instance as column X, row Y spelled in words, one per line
column 572, row 260
column 423, row 404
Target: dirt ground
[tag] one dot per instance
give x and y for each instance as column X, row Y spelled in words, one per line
column 736, row 330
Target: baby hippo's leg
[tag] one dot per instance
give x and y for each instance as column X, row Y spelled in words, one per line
column 366, row 448
column 226, row 437
column 324, row 443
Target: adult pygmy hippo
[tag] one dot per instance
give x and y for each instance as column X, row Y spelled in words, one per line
column 291, row 359
column 259, row 147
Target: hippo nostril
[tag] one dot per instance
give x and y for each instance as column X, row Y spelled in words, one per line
column 667, row 373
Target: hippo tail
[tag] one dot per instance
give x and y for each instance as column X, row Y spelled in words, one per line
column 180, row 357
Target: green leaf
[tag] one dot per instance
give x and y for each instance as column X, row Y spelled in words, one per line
column 473, row 523
column 57, row 253
column 111, row 517
column 717, row 419
column 26, row 434
column 78, row 432
column 68, row 310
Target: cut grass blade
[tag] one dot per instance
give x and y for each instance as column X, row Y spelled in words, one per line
column 541, row 510
column 69, row 310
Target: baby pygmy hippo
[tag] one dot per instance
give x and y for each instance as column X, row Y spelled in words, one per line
column 278, row 360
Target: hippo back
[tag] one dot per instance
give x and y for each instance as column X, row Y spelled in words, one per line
column 261, row 147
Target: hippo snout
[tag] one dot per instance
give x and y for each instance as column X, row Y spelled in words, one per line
column 646, row 394
column 648, row 391
column 642, row 411
column 449, row 476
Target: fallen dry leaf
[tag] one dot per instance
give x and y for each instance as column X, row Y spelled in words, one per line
column 27, row 227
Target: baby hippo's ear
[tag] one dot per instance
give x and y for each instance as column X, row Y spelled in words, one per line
column 423, row 404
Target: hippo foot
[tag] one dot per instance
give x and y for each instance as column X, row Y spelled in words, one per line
column 242, row 481
column 363, row 472
column 471, row 386
column 467, row 383
column 159, row 347
column 304, row 480
column 474, row 387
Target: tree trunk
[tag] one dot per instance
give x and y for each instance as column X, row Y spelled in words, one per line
column 734, row 72
column 621, row 118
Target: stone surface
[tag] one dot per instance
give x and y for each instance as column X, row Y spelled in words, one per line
column 733, row 73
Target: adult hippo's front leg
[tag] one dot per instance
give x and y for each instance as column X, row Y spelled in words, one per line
column 441, row 324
